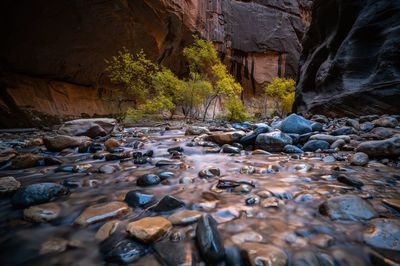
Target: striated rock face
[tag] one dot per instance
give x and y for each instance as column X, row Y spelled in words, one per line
column 349, row 65
column 58, row 48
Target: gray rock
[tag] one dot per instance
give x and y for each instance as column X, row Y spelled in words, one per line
column 273, row 141
column 230, row 149
column 37, row 193
column 94, row 127
column 295, row 124
column 383, row 234
column 348, row 207
column 292, row 149
column 208, row 240
column 359, row 159
column 380, row 148
column 386, row 122
column 148, row 180
column 314, row 145
column 250, row 137
column 60, row 142
column 195, row 130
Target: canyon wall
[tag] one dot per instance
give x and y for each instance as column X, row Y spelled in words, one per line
column 52, row 52
column 350, row 63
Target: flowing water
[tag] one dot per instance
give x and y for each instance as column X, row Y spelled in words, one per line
column 299, row 185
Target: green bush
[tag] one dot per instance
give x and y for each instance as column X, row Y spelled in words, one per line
column 236, row 109
column 282, row 92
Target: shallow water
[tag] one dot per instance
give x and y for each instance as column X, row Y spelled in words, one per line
column 301, row 184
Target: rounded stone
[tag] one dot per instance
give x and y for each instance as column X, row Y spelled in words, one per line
column 101, row 212
column 8, row 185
column 359, row 159
column 184, row 217
column 383, row 234
column 42, row 213
column 149, row 229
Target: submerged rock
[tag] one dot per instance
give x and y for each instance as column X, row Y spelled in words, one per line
column 348, row 207
column 8, row 185
column 149, row 229
column 37, row 193
column 209, row 241
column 394, row 203
column 175, row 253
column 184, row 217
column 123, row 251
column 210, row 172
column 383, row 234
column 350, row 180
column 26, row 161
column 42, row 213
column 148, row 180
column 107, row 230
column 100, row 212
column 168, row 203
column 263, row 254
column 138, row 199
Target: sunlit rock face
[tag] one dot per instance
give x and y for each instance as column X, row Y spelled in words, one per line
column 62, row 44
column 349, row 65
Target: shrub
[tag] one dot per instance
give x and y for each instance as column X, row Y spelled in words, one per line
column 236, row 109
column 282, row 92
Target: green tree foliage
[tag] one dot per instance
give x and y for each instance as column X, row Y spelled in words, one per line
column 282, row 92
column 201, row 55
column 236, row 109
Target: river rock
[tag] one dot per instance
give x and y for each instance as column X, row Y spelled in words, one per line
column 394, row 203
column 210, row 172
column 246, row 236
column 43, row 212
column 314, row 145
column 263, row 254
column 292, row 149
column 26, row 161
column 123, row 251
column 8, row 185
column 366, row 127
column 175, row 253
column 111, row 144
column 383, row 234
column 168, row 203
column 107, row 230
column 226, row 148
column 37, row 194
column 226, row 137
column 60, row 142
column 184, row 217
column 386, row 122
column 380, row 148
column 251, row 136
column 195, row 130
column 209, row 241
column 320, row 118
column 273, row 141
column 93, row 127
column 295, row 124
column 359, row 159
column 149, row 229
column 350, row 180
column 343, row 131
column 148, row 180
column 348, row 207
column 100, row 212
column 353, row 123
column 338, row 144
column 138, row 199
column 329, row 138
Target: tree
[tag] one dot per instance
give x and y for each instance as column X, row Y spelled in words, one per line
column 281, row 90
column 236, row 109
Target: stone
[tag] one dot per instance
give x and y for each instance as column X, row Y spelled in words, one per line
column 383, row 132
column 209, row 240
column 295, row 124
column 123, row 251
column 101, row 212
column 53, row 245
column 353, row 123
column 165, row 175
column 394, row 203
column 366, row 127
column 169, row 163
column 34, row 142
column 226, row 148
column 108, row 168
column 8, row 185
column 149, row 229
column 386, row 122
column 60, row 142
column 251, row 136
column 138, row 199
column 226, row 214
column 43, row 212
column 272, row 202
column 327, row 84
column 348, row 207
column 338, row 144
column 246, row 236
column 93, row 127
column 349, row 180
column 106, row 230
column 226, row 137
column 184, row 217
column 316, row 126
column 329, row 138
column 273, row 141
column 292, row 149
column 168, row 203
column 26, row 161
column 263, row 254
column 210, row 172
column 343, row 131
column 381, row 148
column 175, row 253
column 195, row 130
column 111, row 144
column 314, row 145
column 359, row 159
column 148, row 180
column 320, row 118
column 329, row 159
column 383, row 234
column 37, row 194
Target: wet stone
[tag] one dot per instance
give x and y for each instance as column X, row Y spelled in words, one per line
column 209, row 240
column 329, row 159
column 394, row 203
column 60, row 142
column 230, row 149
column 101, row 212
column 168, row 203
column 42, row 213
column 107, row 230
column 26, row 161
column 273, row 141
column 210, row 172
column 383, row 234
column 348, row 207
column 292, row 149
column 8, row 185
column 386, row 122
column 165, row 175
column 295, row 124
column 359, row 159
column 138, row 199
column 314, row 145
column 184, row 217
column 148, row 180
column 263, row 254
column 378, row 148
column 111, row 144
column 226, row 137
column 272, row 203
column 250, row 137
column 124, row 251
column 226, row 215
column 173, row 163
column 194, row 130
column 252, row 201
column 343, row 131
column 37, row 194
column 149, row 229
column 174, row 253
column 350, row 180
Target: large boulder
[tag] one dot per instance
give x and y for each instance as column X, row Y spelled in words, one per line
column 349, row 63
column 381, row 148
column 273, row 141
column 94, row 127
column 226, row 137
column 296, row 124
column 60, row 142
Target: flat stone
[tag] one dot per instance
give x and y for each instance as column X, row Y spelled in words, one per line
column 168, row 203
column 101, row 212
column 349, row 180
column 26, row 161
column 195, row 130
column 383, row 234
column 348, row 207
column 8, row 185
column 107, row 230
column 149, row 229
column 263, row 254
column 60, row 142
column 380, row 148
column 226, row 137
column 184, row 217
column 394, row 203
column 247, row 236
column 123, row 251
column 175, row 253
column 209, row 241
column 314, row 145
column 43, row 212
column 92, row 127
column 37, row 194
column 137, row 199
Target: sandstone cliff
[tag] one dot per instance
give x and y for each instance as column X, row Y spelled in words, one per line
column 53, row 51
column 350, row 62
